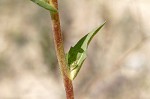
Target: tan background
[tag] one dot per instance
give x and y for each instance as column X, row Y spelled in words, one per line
column 118, row 62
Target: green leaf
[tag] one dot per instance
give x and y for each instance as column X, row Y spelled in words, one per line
column 77, row 54
column 45, row 5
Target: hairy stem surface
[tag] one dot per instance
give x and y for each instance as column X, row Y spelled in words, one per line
column 59, row 48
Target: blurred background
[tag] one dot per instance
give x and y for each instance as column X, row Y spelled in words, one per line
column 118, row 60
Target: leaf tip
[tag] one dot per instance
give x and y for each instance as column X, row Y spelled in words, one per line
column 101, row 25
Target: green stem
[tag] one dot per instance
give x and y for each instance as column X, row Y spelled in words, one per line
column 59, row 47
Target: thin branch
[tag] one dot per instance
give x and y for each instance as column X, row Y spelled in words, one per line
column 59, row 48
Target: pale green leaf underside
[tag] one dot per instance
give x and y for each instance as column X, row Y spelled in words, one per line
column 45, row 5
column 77, row 54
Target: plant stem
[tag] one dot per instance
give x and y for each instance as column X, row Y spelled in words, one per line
column 59, row 48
